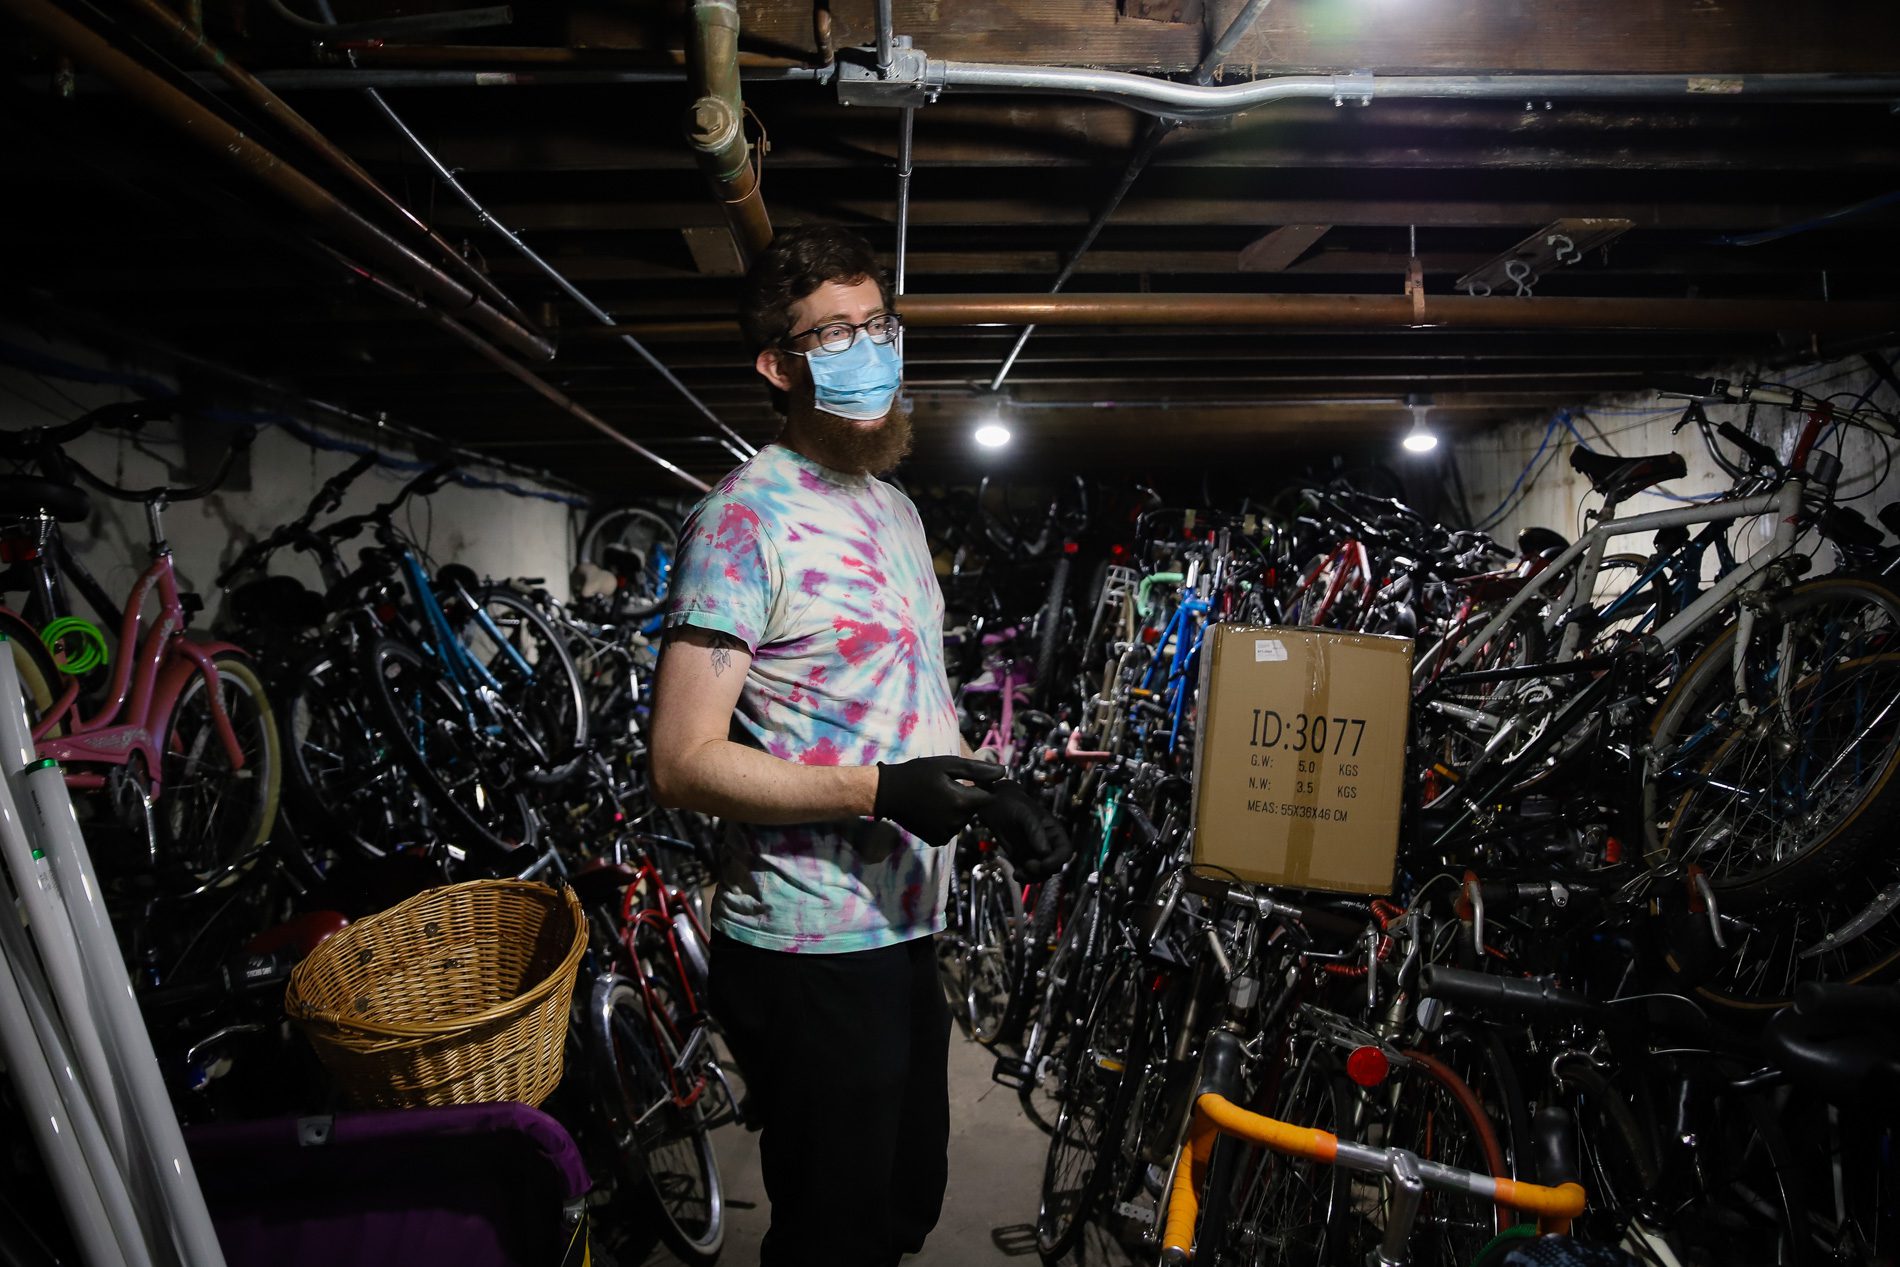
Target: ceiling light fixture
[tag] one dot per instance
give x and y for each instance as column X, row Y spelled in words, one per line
column 992, row 435
column 1420, row 439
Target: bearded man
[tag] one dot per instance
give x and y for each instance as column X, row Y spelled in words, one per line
column 802, row 698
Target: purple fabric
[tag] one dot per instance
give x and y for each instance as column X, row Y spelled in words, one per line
column 479, row 1185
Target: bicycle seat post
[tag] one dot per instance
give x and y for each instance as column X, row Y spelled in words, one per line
column 154, row 520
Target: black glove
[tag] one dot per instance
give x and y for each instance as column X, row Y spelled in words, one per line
column 926, row 799
column 1029, row 834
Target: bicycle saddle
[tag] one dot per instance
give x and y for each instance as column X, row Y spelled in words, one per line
column 1841, row 1041
column 1617, row 477
column 23, row 497
column 1542, row 543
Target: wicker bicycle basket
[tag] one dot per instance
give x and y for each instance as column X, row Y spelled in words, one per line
column 457, row 996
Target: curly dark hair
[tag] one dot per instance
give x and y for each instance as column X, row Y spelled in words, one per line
column 799, row 261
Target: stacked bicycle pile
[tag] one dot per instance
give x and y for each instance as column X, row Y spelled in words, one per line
column 1614, row 988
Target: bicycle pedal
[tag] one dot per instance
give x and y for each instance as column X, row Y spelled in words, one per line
column 1013, row 1072
column 1142, row 1214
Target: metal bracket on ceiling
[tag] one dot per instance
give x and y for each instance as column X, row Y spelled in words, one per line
column 913, row 81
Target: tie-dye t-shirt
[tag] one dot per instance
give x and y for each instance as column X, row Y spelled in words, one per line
column 826, row 577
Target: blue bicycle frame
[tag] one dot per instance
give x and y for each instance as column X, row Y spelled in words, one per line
column 1182, row 625
column 441, row 644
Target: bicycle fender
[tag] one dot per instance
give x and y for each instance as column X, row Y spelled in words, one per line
column 181, row 662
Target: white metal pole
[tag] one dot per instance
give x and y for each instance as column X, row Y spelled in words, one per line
column 52, row 932
column 48, row 810
column 80, row 1137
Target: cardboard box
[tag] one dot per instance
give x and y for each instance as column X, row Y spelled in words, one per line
column 1300, row 756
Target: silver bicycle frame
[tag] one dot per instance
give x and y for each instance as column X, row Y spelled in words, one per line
column 1784, row 503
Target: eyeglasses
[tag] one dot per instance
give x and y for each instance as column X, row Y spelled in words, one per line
column 838, row 336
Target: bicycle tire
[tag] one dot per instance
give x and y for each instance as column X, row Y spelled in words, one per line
column 549, row 703
column 649, row 588
column 1032, row 954
column 1049, row 633
column 34, row 663
column 204, row 827
column 1099, row 1090
column 1288, row 1210
column 989, row 957
column 1425, row 1122
column 460, row 772
column 339, row 766
column 631, row 1057
column 1707, row 688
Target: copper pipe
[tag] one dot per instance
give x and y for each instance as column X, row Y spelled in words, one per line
column 715, row 127
column 379, row 53
column 1363, row 312
column 279, row 111
column 522, row 373
column 1378, row 311
column 212, row 133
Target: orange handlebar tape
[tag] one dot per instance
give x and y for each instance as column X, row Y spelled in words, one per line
column 1184, row 1207
column 1300, row 1141
column 1565, row 1201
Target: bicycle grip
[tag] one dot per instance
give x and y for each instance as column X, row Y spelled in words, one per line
column 1554, row 1139
column 1482, row 990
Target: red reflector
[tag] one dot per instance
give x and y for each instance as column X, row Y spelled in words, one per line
column 1151, row 635
column 386, row 612
column 1367, row 1066
column 1071, row 547
column 1118, row 550
column 16, row 550
column 1612, row 851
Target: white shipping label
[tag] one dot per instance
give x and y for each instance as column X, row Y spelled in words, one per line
column 1268, row 650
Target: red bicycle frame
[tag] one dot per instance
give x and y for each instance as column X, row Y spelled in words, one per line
column 136, row 719
column 653, row 904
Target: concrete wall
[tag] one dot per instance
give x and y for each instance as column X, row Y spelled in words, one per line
column 496, row 533
column 1556, row 497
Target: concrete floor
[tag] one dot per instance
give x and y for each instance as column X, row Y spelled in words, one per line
column 989, row 1212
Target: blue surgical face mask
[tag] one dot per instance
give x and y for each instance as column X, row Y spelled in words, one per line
column 859, row 382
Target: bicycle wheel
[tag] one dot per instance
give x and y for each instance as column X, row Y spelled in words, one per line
column 1460, row 723
column 637, row 546
column 1431, row 1112
column 1051, row 623
column 1287, row 1210
column 38, row 673
column 990, row 955
column 211, row 811
column 469, row 773
column 1031, row 956
column 661, row 1146
column 1103, row 1064
column 545, row 712
column 1781, row 784
column 340, row 765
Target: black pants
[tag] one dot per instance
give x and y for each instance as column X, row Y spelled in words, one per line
column 845, row 1059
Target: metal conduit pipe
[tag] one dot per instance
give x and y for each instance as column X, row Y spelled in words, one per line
column 715, row 127
column 151, row 90
column 526, row 376
column 1166, row 97
column 1158, row 131
column 280, row 112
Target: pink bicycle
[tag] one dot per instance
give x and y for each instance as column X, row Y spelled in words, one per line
column 173, row 731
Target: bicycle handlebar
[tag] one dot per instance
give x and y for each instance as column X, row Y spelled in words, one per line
column 421, row 486
column 165, row 492
column 1213, row 1112
column 327, row 499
